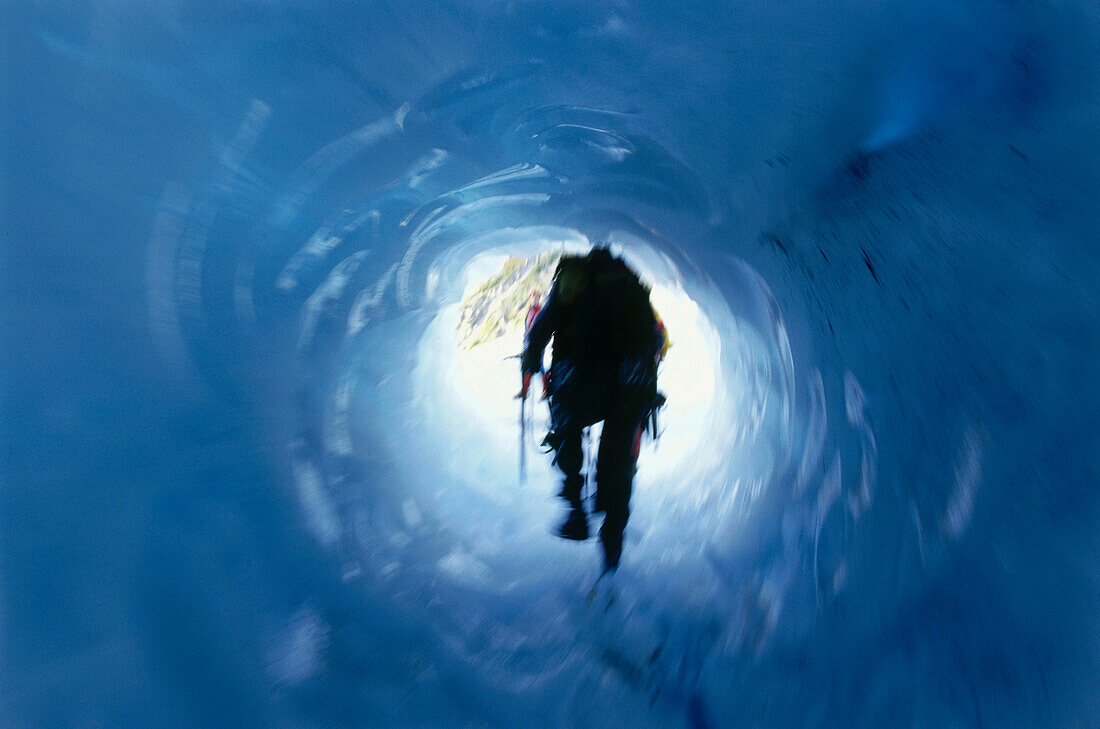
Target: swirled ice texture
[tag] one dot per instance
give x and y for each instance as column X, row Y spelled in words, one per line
column 249, row 483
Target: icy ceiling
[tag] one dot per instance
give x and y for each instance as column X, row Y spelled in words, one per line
column 249, row 480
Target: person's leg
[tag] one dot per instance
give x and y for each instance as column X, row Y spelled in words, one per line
column 614, row 478
column 570, row 459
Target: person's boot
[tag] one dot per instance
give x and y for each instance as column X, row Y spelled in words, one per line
column 612, row 541
column 575, row 526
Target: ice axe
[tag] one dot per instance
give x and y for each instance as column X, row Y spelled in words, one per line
column 523, row 440
column 523, row 428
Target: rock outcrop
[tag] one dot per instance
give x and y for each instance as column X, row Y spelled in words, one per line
column 500, row 305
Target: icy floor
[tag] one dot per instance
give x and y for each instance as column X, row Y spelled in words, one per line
column 521, row 607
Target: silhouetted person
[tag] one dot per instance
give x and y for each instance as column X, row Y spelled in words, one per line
column 607, row 344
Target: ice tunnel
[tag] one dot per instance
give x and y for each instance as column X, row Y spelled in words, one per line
column 252, row 480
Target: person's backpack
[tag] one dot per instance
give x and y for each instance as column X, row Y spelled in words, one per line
column 613, row 321
column 612, row 333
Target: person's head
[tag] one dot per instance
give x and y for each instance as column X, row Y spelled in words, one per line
column 600, row 256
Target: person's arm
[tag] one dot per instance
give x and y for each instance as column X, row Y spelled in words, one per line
column 538, row 336
column 661, row 342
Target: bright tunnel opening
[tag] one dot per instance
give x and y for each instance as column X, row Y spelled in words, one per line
column 458, row 512
column 473, row 391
